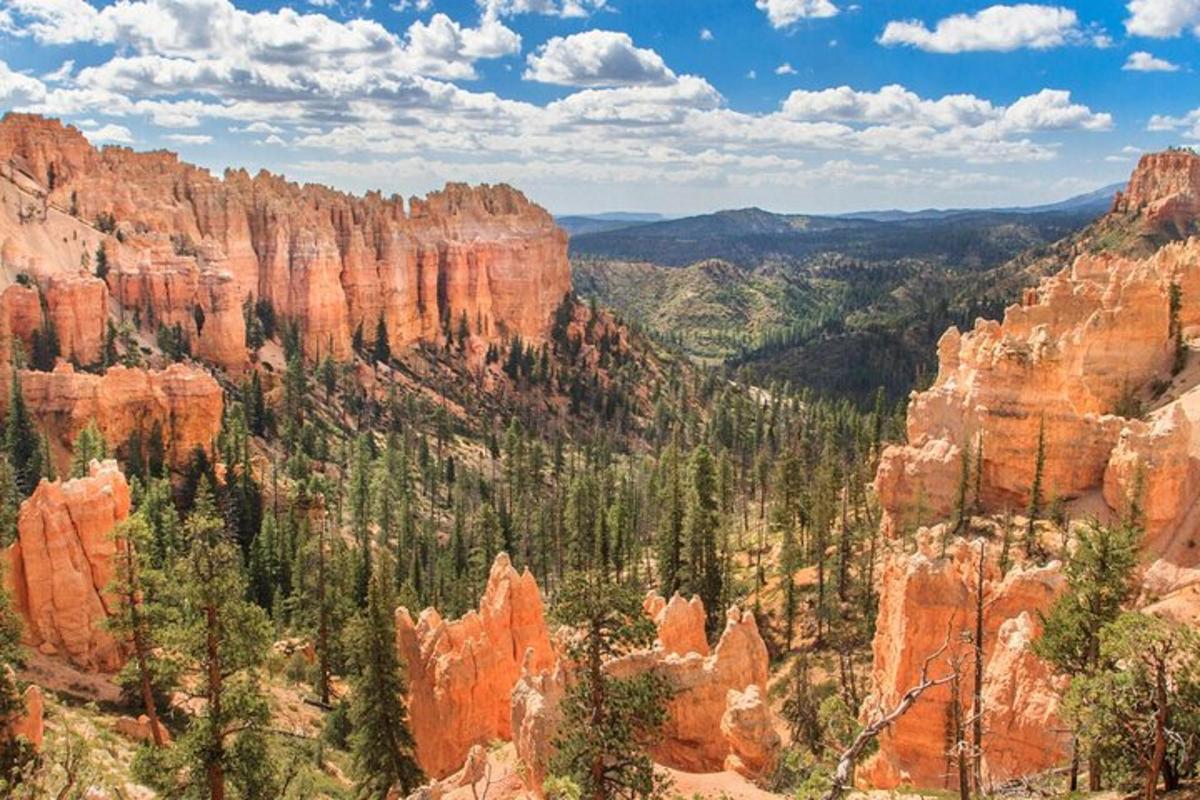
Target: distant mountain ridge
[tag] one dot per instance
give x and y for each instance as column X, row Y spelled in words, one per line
column 1099, row 200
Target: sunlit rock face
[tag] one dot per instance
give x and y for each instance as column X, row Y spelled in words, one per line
column 461, row 672
column 61, row 564
column 926, row 607
column 194, row 248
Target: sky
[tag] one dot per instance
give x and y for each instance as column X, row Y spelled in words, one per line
column 668, row 106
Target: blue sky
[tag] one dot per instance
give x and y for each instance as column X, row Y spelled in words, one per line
column 675, row 106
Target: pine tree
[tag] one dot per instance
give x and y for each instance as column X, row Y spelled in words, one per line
column 226, row 638
column 89, row 446
column 21, row 440
column 360, row 514
column 138, row 617
column 1035, row 494
column 382, row 350
column 608, row 723
column 1099, row 582
column 381, row 743
column 10, row 501
column 702, row 522
column 671, row 521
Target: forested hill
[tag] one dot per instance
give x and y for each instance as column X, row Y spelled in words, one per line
column 838, row 304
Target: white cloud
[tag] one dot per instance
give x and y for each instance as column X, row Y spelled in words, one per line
column 1188, row 124
column 597, row 58
column 895, row 105
column 115, row 134
column 752, row 74
column 400, row 6
column 62, row 73
column 1162, row 19
column 784, row 13
column 17, row 89
column 568, row 9
column 271, row 47
column 189, row 138
column 785, row 68
column 706, row 35
column 998, row 28
column 1141, row 61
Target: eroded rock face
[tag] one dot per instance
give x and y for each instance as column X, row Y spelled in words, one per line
column 63, row 560
column 680, row 623
column 29, row 723
column 183, row 400
column 1165, row 188
column 1060, row 364
column 716, row 718
column 195, row 247
column 926, row 601
column 461, row 672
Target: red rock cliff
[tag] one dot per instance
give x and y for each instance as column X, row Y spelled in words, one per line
column 1165, row 188
column 62, row 562
column 183, row 400
column 195, row 247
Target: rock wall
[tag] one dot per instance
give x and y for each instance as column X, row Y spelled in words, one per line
column 1165, row 188
column 1062, row 362
column 63, row 560
column 194, row 247
column 927, row 600
column 461, row 673
column 183, row 400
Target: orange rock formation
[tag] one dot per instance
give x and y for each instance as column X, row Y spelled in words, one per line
column 461, row 673
column 63, row 560
column 192, row 247
column 927, row 600
column 1063, row 363
column 183, row 400
column 716, row 718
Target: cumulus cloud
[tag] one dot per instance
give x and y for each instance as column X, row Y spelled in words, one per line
column 17, row 89
column 597, row 58
column 1188, row 124
column 998, row 28
column 785, row 68
column 1162, row 19
column 706, row 35
column 110, row 134
column 1141, row 61
column 558, row 8
column 267, row 46
column 784, row 13
column 896, row 105
column 189, row 138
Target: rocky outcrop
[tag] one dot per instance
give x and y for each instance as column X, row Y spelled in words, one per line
column 680, row 623
column 182, row 401
column 716, row 717
column 1059, row 366
column 927, row 601
column 29, row 722
column 461, row 673
column 63, row 560
column 193, row 247
column 1164, row 189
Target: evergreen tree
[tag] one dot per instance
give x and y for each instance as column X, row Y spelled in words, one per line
column 89, row 446
column 671, row 521
column 138, row 618
column 608, row 722
column 1035, row 494
column 1099, row 574
column 381, row 743
column 704, row 567
column 226, row 639
column 21, row 440
column 10, row 501
column 382, row 350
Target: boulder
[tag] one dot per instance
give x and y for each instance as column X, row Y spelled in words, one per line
column 749, row 729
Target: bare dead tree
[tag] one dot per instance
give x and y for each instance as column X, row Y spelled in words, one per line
column 843, row 775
